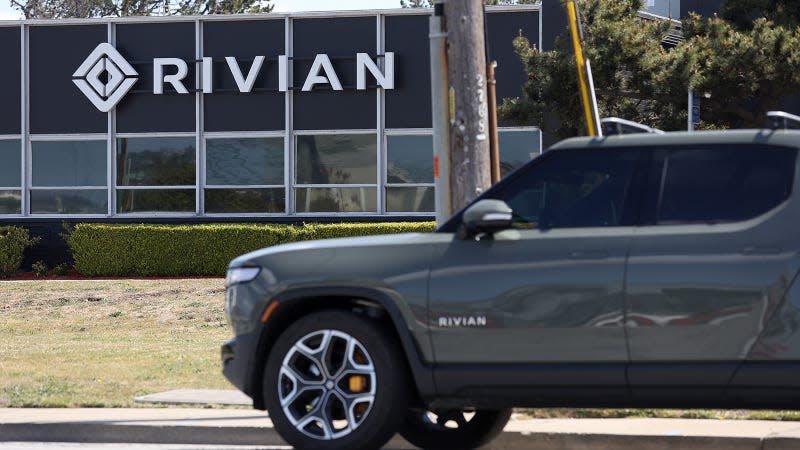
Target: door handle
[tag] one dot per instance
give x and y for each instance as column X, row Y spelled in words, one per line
column 592, row 254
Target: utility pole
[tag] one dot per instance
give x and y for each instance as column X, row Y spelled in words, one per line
column 440, row 115
column 468, row 112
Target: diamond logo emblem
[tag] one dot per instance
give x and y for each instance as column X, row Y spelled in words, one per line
column 105, row 77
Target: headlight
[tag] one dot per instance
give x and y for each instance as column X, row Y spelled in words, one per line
column 241, row 275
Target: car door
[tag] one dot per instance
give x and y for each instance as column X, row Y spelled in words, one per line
column 538, row 303
column 706, row 268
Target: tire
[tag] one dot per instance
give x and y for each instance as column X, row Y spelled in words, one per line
column 456, row 428
column 336, row 380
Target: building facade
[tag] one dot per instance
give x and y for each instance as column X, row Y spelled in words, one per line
column 277, row 117
column 266, row 118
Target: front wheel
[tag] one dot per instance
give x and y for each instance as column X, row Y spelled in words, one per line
column 336, row 380
column 453, row 428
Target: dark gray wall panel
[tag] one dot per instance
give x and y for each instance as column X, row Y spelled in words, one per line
column 554, row 23
column 503, row 28
column 141, row 110
column 10, row 81
column 56, row 104
column 408, row 105
column 340, row 39
column 227, row 109
column 705, row 8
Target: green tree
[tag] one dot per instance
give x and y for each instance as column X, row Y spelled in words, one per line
column 197, row 7
column 741, row 67
column 415, row 4
column 742, row 12
column 627, row 64
column 743, row 71
column 429, row 3
column 65, row 9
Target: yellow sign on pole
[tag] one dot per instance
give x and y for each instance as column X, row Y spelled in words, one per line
column 584, row 78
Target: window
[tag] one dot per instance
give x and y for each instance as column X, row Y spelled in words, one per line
column 156, row 174
column 336, row 173
column 69, row 177
column 409, row 173
column 517, row 147
column 10, row 176
column 572, row 188
column 724, row 184
column 245, row 175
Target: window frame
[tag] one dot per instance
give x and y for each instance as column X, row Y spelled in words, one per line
column 28, row 176
column 657, row 170
column 385, row 185
column 628, row 203
column 245, row 135
column 632, row 203
column 116, row 188
column 294, row 185
column 22, row 171
column 529, row 129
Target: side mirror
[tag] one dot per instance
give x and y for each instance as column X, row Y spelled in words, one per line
column 485, row 217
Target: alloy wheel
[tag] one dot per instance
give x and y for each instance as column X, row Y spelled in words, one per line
column 327, row 384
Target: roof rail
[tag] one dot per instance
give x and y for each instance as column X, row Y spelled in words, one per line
column 615, row 125
column 777, row 120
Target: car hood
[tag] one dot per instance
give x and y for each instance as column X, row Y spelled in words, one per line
column 350, row 244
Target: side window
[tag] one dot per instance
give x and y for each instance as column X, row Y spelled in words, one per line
column 724, row 184
column 572, row 188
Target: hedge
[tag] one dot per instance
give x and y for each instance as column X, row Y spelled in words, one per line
column 13, row 241
column 196, row 250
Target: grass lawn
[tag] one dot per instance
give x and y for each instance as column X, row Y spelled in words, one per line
column 102, row 342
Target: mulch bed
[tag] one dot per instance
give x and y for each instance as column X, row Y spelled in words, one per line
column 75, row 275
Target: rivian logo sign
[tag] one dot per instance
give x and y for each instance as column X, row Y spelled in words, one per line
column 105, row 76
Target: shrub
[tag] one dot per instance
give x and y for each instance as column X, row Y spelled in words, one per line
column 191, row 250
column 40, row 268
column 13, row 242
column 61, row 269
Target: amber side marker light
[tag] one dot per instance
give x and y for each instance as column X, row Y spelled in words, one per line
column 268, row 312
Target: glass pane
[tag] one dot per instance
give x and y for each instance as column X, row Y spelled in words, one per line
column 10, row 202
column 573, row 188
column 409, row 159
column 245, row 200
column 337, row 200
column 744, row 183
column 69, row 163
column 62, row 201
column 10, row 163
column 517, row 148
column 156, row 161
column 337, row 159
column 411, row 199
column 155, row 200
column 244, row 161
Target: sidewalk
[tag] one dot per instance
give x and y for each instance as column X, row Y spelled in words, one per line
column 249, row 427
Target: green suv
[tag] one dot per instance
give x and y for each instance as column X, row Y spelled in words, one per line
column 642, row 270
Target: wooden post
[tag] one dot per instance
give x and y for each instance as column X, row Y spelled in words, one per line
column 469, row 121
column 494, row 140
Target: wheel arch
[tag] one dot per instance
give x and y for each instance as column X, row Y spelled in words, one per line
column 294, row 304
